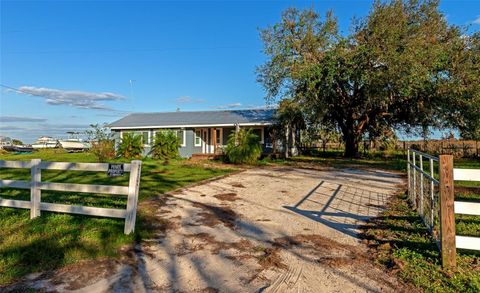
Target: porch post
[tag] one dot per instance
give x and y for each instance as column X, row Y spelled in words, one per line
column 214, row 140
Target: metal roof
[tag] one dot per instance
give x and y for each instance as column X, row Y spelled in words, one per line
column 195, row 118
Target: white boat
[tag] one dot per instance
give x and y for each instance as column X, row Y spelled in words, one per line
column 5, row 141
column 45, row 142
column 73, row 143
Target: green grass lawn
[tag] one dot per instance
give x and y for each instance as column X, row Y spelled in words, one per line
column 395, row 161
column 399, row 240
column 53, row 239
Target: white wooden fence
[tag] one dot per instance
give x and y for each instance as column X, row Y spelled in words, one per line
column 438, row 211
column 36, row 186
column 467, row 208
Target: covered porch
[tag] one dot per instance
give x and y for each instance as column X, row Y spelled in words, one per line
column 212, row 140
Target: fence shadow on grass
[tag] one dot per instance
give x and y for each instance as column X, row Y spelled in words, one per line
column 401, row 228
column 54, row 240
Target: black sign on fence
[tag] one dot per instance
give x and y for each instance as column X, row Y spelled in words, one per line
column 115, row 170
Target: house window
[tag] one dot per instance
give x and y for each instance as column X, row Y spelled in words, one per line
column 181, row 136
column 145, row 137
column 144, row 134
column 219, row 136
column 180, row 133
column 198, row 138
column 259, row 132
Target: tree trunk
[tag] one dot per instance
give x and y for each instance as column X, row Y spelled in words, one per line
column 293, row 151
column 351, row 144
column 286, row 144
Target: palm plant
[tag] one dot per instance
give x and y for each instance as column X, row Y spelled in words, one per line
column 290, row 117
column 165, row 145
column 131, row 146
column 243, row 147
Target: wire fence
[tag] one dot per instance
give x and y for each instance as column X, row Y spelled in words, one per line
column 457, row 148
column 423, row 188
column 431, row 191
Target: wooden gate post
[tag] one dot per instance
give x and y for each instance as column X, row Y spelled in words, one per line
column 35, row 192
column 132, row 200
column 447, row 213
column 214, row 141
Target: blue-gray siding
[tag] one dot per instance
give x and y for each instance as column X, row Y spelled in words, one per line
column 190, row 148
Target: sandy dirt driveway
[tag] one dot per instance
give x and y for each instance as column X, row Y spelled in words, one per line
column 261, row 230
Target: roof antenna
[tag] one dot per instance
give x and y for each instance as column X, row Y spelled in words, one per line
column 178, row 109
column 131, row 81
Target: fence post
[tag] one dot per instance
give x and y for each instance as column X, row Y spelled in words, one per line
column 132, row 200
column 432, row 190
column 35, row 192
column 421, row 187
column 447, row 214
column 414, row 200
column 409, row 190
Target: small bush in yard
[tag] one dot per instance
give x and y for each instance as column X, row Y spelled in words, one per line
column 103, row 144
column 243, row 147
column 103, row 150
column 165, row 145
column 131, row 146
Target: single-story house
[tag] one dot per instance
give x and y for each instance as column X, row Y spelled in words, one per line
column 200, row 132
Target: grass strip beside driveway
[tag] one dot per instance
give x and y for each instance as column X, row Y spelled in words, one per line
column 399, row 240
column 54, row 240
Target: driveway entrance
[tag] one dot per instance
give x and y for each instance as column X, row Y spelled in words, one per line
column 264, row 229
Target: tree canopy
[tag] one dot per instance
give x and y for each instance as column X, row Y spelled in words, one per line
column 403, row 66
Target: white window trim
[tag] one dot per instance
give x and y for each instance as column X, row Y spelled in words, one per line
column 184, row 144
column 195, row 138
column 220, row 136
column 262, row 134
column 148, row 138
column 148, row 144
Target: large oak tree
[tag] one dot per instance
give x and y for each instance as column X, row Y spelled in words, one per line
column 403, row 66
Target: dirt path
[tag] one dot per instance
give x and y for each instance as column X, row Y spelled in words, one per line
column 267, row 230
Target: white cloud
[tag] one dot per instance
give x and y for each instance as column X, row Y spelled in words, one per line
column 114, row 114
column 264, row 106
column 188, row 100
column 477, row 20
column 46, row 127
column 10, row 128
column 227, row 106
column 77, row 99
column 20, row 119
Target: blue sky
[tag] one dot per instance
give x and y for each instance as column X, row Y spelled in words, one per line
column 76, row 59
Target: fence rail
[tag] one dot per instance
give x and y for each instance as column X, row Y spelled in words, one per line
column 36, row 186
column 436, row 205
column 457, row 148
